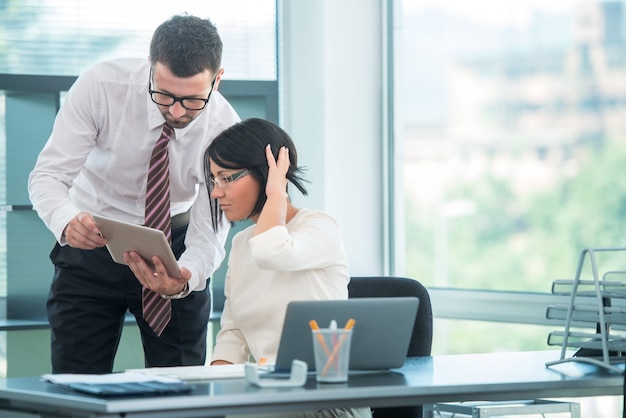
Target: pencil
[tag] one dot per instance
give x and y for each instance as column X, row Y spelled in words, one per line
column 320, row 337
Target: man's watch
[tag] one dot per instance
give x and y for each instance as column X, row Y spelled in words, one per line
column 183, row 293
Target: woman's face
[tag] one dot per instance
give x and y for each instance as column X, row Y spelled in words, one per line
column 236, row 191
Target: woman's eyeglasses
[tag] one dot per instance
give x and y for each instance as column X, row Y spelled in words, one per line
column 224, row 181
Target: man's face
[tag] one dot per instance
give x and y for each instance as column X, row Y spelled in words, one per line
column 194, row 92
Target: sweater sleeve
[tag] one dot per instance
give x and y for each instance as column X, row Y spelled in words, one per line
column 297, row 246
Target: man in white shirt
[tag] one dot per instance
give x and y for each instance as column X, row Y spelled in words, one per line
column 96, row 162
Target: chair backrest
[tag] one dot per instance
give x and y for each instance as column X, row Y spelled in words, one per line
column 367, row 287
column 422, row 337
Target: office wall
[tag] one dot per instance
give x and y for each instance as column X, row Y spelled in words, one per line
column 331, row 85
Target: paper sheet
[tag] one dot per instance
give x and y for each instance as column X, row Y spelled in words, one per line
column 189, row 373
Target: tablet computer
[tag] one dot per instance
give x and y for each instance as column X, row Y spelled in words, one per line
column 147, row 242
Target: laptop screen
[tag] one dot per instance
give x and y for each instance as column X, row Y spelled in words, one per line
column 380, row 337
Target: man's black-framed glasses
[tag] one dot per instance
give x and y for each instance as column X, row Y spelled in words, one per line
column 189, row 103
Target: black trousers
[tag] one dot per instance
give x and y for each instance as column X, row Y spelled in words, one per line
column 87, row 304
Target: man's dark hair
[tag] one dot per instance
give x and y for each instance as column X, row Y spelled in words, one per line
column 187, row 45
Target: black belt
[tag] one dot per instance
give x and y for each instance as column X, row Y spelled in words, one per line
column 180, row 220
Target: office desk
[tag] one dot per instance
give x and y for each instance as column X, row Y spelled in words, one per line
column 422, row 380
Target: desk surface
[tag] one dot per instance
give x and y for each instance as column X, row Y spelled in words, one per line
column 422, row 380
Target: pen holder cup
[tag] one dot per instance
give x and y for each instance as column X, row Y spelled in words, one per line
column 332, row 354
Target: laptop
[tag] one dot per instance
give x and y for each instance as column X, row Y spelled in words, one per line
column 380, row 337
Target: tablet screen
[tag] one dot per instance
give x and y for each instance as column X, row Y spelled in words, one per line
column 147, row 242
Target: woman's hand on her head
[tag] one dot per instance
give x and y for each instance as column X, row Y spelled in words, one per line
column 277, row 171
column 274, row 211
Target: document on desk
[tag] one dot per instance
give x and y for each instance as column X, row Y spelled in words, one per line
column 194, row 373
column 116, row 384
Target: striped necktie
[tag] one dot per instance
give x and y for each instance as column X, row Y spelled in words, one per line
column 158, row 311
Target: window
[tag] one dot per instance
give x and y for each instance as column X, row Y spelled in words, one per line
column 44, row 44
column 513, row 128
column 513, row 135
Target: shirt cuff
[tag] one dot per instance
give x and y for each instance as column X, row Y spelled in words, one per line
column 180, row 295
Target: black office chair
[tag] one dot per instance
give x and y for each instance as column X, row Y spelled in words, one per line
column 422, row 337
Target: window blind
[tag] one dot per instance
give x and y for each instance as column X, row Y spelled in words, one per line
column 63, row 37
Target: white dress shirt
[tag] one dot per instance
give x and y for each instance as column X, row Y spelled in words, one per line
column 96, row 159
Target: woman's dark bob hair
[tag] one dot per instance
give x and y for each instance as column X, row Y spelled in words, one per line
column 242, row 146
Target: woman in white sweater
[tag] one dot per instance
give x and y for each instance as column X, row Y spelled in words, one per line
column 288, row 254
